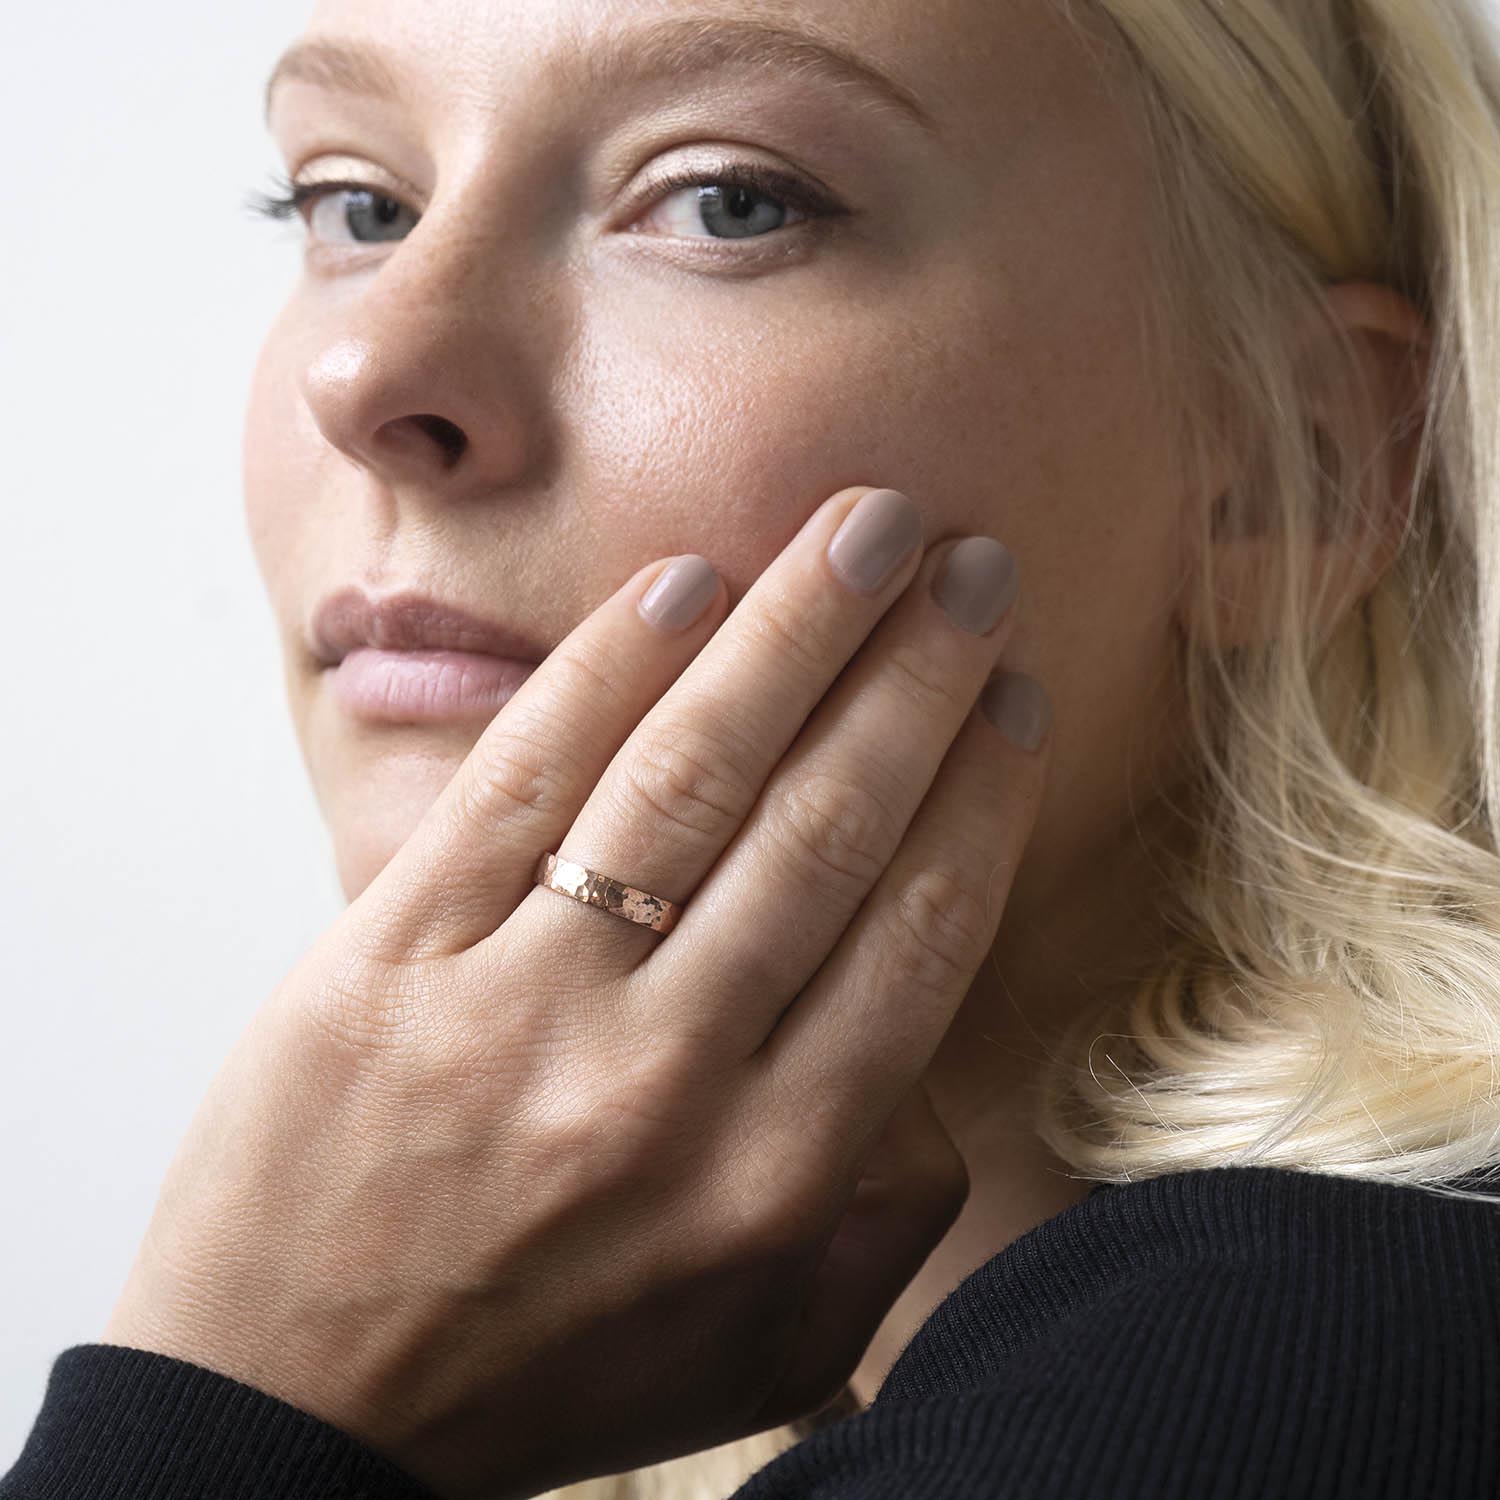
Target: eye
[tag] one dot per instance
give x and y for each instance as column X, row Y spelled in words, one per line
column 340, row 212
column 368, row 217
column 721, row 211
column 740, row 202
column 733, row 203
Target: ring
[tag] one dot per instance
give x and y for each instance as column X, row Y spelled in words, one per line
column 594, row 889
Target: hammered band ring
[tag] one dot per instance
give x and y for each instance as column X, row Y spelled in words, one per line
column 594, row 889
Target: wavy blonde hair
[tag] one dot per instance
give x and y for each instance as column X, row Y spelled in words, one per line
column 1331, row 1001
column 1331, row 997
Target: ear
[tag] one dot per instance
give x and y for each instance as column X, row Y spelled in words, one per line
column 1391, row 345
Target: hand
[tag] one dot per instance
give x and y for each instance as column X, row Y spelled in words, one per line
column 518, row 1192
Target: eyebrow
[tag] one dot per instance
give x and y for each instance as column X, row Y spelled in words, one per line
column 353, row 67
column 664, row 48
column 702, row 44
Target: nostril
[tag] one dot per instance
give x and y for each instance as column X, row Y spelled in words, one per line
column 447, row 435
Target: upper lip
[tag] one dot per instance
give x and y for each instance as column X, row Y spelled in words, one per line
column 410, row 621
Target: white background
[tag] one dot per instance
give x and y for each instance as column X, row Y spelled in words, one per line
column 162, row 862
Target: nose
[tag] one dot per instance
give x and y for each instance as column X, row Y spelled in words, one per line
column 421, row 378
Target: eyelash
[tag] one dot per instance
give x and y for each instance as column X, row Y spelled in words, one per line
column 290, row 198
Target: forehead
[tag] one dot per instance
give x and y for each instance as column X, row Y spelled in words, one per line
column 963, row 63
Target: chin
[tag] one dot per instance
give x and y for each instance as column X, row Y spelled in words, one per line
column 372, row 809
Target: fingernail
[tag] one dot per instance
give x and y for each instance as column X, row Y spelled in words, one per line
column 1018, row 707
column 877, row 536
column 979, row 581
column 682, row 592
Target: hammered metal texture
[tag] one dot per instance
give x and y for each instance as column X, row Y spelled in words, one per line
column 594, row 889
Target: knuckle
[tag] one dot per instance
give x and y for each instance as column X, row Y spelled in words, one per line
column 588, row 671
column 514, row 775
column 838, row 829
column 939, row 931
column 687, row 779
column 922, row 680
column 800, row 641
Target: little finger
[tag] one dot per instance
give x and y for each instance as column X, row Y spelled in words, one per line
column 858, row 1038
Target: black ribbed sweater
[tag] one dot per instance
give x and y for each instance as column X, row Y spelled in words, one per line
column 1241, row 1332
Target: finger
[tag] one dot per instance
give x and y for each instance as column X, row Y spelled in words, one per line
column 835, row 810
column 857, row 1038
column 684, row 781
column 910, row 1191
column 470, row 861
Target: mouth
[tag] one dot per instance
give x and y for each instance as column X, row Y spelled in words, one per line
column 409, row 658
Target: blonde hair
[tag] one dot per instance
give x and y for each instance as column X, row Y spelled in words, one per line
column 1331, row 997
column 1331, row 1001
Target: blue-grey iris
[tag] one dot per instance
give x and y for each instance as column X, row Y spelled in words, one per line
column 736, row 213
column 382, row 215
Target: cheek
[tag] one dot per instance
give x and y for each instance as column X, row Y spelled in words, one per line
column 282, row 458
column 297, row 536
column 1020, row 414
column 699, row 423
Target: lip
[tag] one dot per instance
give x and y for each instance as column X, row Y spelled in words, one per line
column 411, row 621
column 409, row 658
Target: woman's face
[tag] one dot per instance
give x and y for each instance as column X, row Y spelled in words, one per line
column 933, row 283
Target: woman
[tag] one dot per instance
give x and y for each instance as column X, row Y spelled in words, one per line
column 1140, row 348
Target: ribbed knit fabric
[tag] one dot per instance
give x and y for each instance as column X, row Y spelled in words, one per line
column 1242, row 1333
column 131, row 1425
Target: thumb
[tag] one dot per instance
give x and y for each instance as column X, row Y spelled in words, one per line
column 910, row 1193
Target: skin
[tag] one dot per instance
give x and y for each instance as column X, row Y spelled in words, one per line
column 967, row 333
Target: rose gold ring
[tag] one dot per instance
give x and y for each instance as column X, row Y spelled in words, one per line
column 594, row 889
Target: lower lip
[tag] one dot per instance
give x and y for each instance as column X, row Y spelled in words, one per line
column 410, row 687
